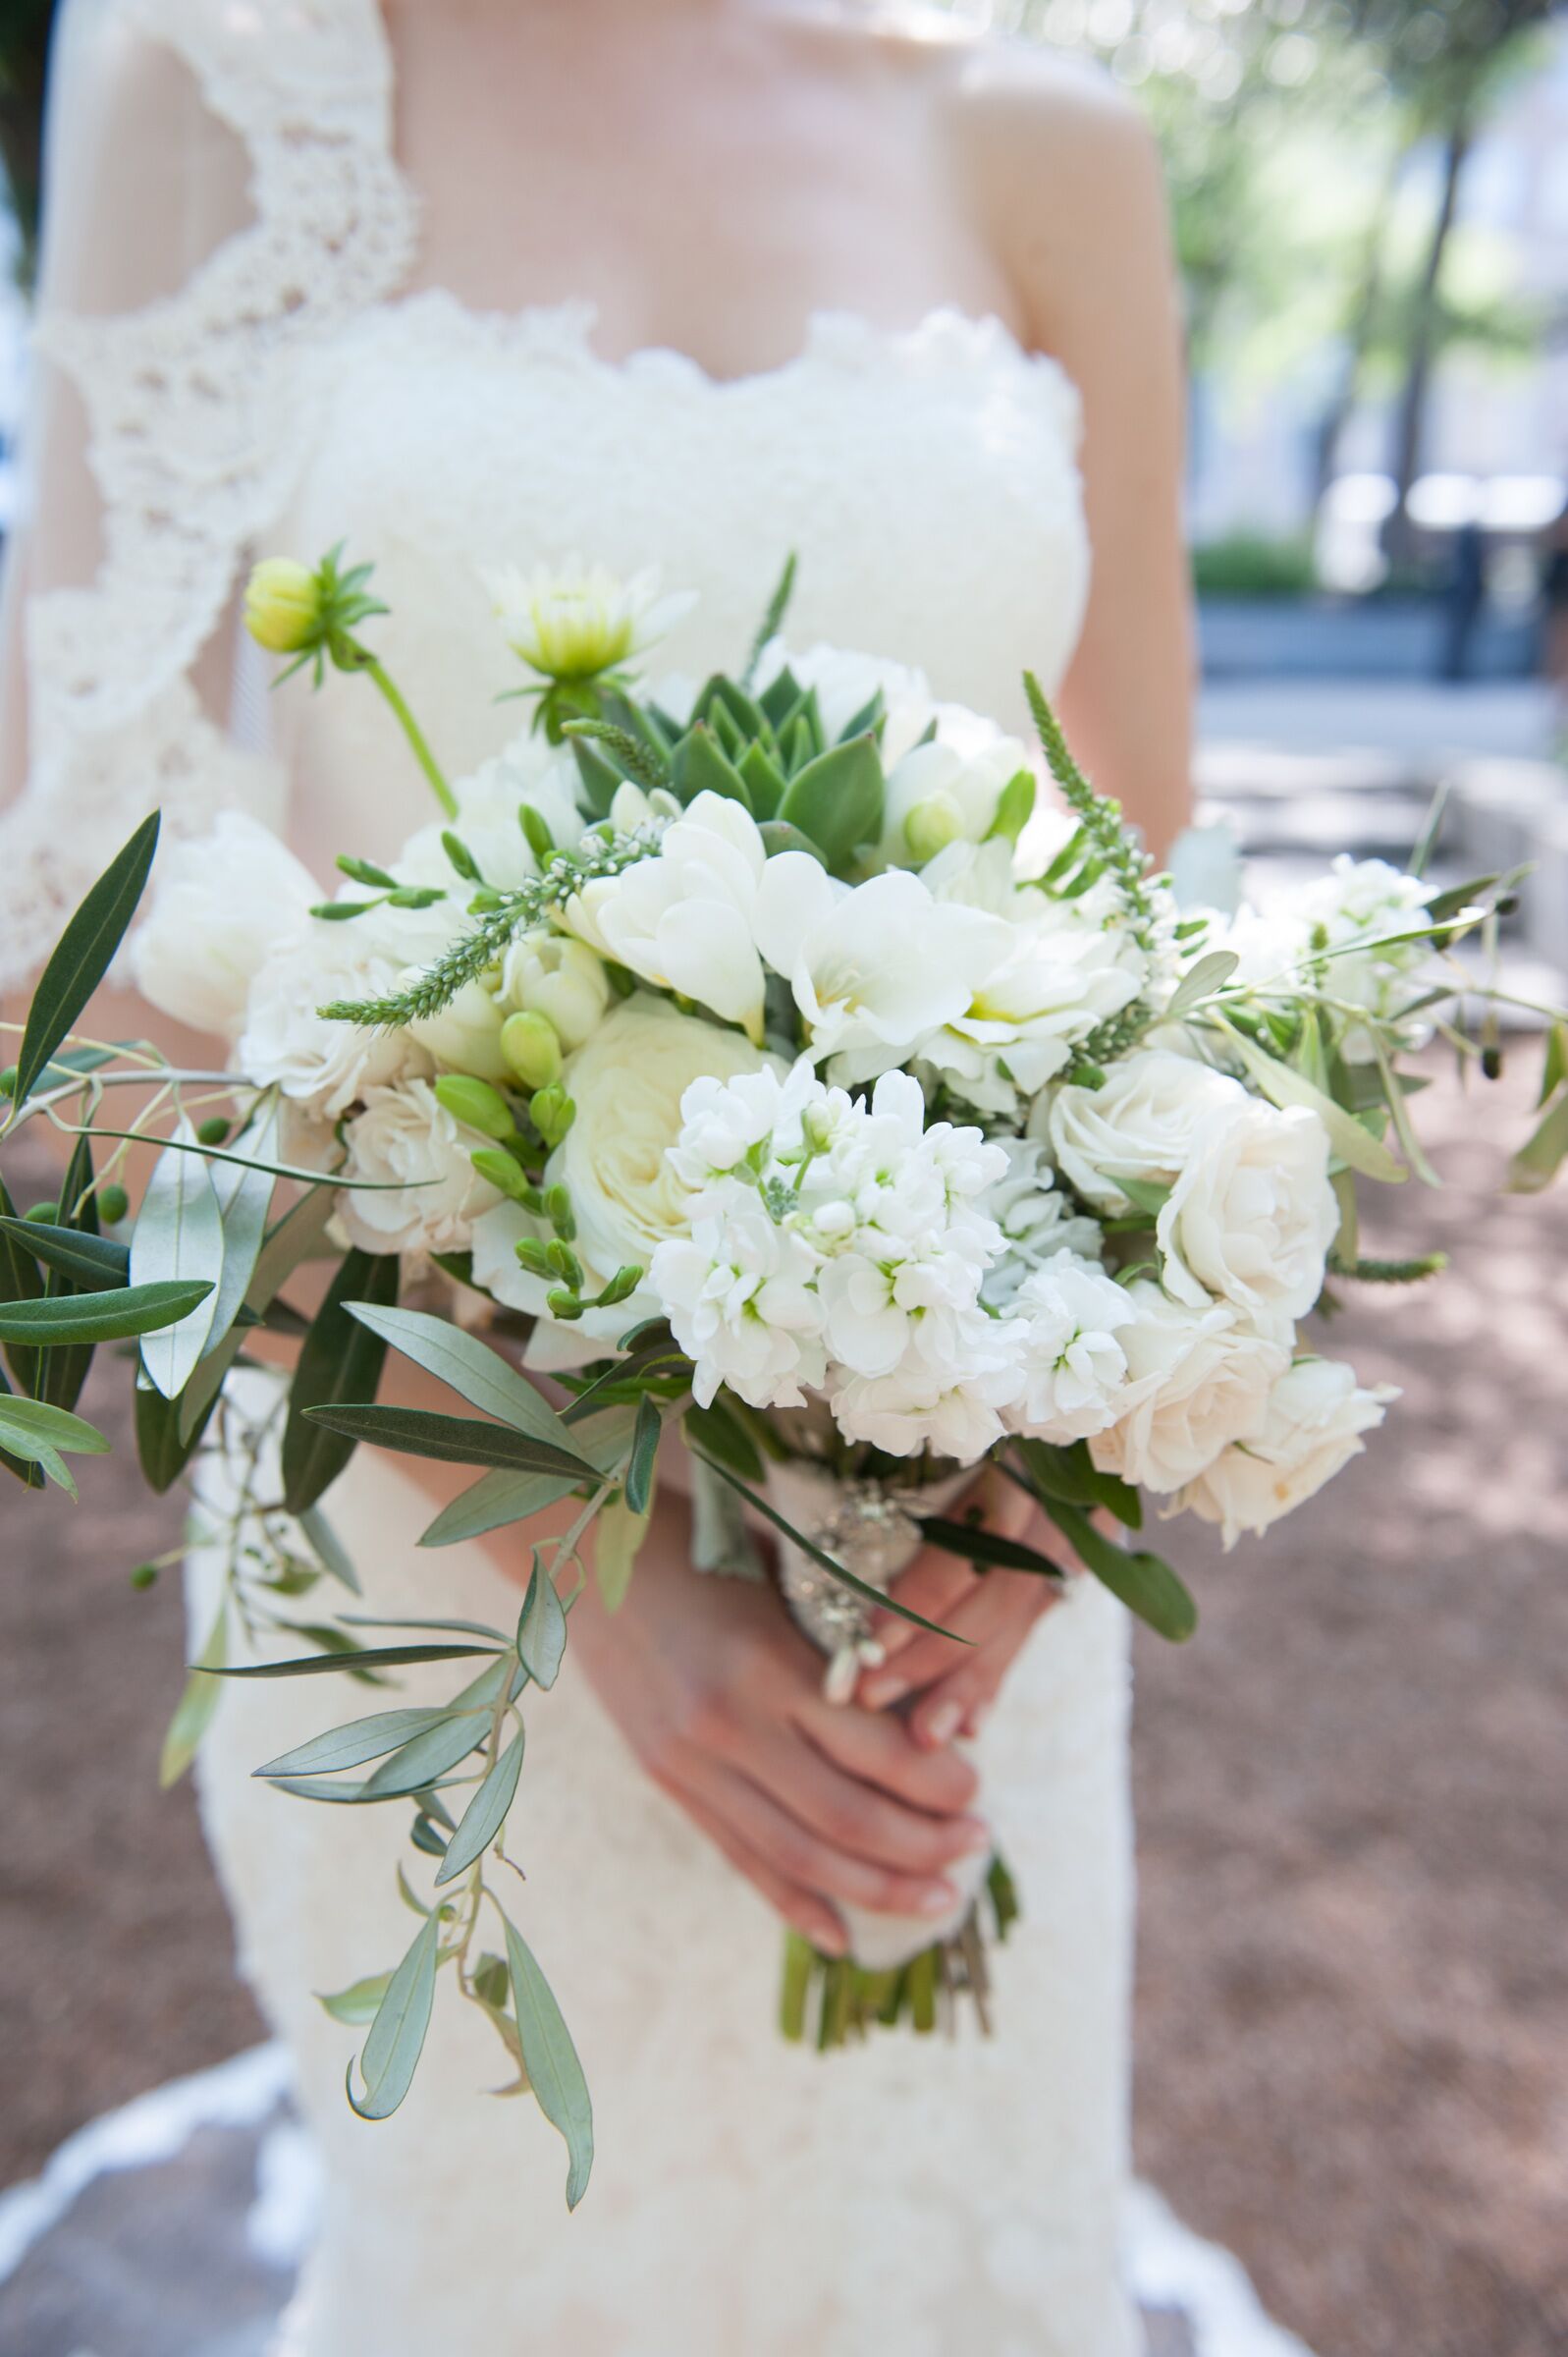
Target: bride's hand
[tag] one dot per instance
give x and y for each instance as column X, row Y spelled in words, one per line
column 952, row 1692
column 720, row 1699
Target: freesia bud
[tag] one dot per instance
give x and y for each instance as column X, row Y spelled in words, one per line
column 532, row 1049
column 930, row 826
column 283, row 606
column 477, row 1104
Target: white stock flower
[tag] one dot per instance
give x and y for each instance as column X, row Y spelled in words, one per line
column 1139, row 1124
column 1252, row 1214
column 1198, row 1379
column 562, row 979
column 573, row 621
column 405, row 1138
column 627, row 1085
column 324, row 1064
column 682, row 920
column 1067, row 1319
column 222, row 905
column 1036, row 1220
column 945, row 792
column 874, row 970
column 920, row 1408
column 1317, row 1413
column 739, row 1296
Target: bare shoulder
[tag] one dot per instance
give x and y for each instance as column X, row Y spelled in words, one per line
column 1056, row 119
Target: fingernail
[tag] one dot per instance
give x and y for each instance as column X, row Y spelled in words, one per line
column 830, row 1939
column 877, row 1692
column 943, row 1723
column 937, row 1899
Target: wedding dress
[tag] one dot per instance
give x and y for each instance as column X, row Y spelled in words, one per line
column 909, row 2198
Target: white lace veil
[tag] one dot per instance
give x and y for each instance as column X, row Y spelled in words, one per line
column 183, row 446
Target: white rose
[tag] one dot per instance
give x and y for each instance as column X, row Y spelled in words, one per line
column 222, row 905
column 945, row 792
column 1316, row 1415
column 1252, row 1215
column 1140, row 1125
column 1067, row 1318
column 683, row 920
column 627, row 1085
column 1197, row 1380
column 322, row 1064
column 405, row 1138
column 562, row 979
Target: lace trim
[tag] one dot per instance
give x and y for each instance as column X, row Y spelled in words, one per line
column 189, row 443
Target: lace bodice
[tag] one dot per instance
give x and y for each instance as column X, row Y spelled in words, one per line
column 288, row 397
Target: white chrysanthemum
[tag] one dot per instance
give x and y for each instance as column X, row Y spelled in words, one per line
column 1198, row 1379
column 224, row 904
column 1317, row 1413
column 405, row 1138
column 1252, row 1214
column 1067, row 1318
column 574, row 620
column 323, row 1066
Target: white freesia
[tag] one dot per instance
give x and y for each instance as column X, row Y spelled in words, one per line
column 405, row 1138
column 562, row 979
column 1197, row 1380
column 874, row 970
column 573, row 621
column 321, row 1064
column 943, row 793
column 1067, row 1319
column 224, row 905
column 1252, row 1214
column 683, row 919
column 1317, row 1413
column 627, row 1085
column 1140, row 1125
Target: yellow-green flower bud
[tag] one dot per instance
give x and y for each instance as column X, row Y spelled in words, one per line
column 531, row 1046
column 475, row 1104
column 552, row 1112
column 930, row 826
column 283, row 606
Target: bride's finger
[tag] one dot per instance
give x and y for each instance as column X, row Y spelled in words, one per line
column 812, row 1862
column 879, row 1751
column 956, row 1702
column 935, row 1585
column 802, row 1910
column 858, row 1817
column 924, row 1657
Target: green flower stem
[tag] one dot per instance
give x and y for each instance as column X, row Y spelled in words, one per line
column 411, row 728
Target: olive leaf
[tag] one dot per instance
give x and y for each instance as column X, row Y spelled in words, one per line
column 551, row 2062
column 392, row 2050
column 83, row 955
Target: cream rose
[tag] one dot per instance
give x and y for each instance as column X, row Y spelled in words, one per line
column 1252, row 1215
column 222, row 905
column 1140, row 1125
column 1196, row 1380
column 627, row 1086
column 1316, row 1415
column 406, row 1139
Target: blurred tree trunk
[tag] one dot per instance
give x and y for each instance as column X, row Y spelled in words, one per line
column 1411, row 418
column 1362, row 318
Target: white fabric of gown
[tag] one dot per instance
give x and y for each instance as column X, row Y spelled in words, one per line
column 907, row 2199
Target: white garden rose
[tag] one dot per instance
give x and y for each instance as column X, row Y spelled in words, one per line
column 1317, row 1413
column 1198, row 1379
column 627, row 1086
column 1139, row 1124
column 1252, row 1215
column 324, row 1066
column 224, row 903
column 562, row 979
column 405, row 1138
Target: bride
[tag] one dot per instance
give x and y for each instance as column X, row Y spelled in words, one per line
column 465, row 280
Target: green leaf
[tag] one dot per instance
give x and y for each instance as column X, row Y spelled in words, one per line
column 328, row 1548
column 467, row 1366
column 1351, row 1143
column 179, row 1237
column 431, row 1754
column 1072, row 1476
column 1148, row 1195
column 383, row 1657
column 1537, row 1163
column 64, row 1373
column 351, row 1744
column 485, row 1814
column 1201, row 980
column 778, row 837
column 1145, row 1583
column 772, row 623
column 396, row 2036
column 164, row 1445
column 194, row 1711
column 551, row 2062
column 244, row 1197
column 20, row 1281
column 718, row 1434
column 702, row 766
column 340, row 1361
column 837, row 800
column 541, row 1628
column 644, row 1454
column 829, row 1563
column 290, row 1241
column 1014, row 806
column 360, row 2002
column 618, row 1536
column 451, row 1440
column 137, row 1309
column 96, row 1263
column 1554, row 1064
column 972, row 1543
column 494, row 1500
column 83, row 955
column 28, row 1426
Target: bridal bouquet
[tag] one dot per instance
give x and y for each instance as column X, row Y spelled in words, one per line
column 760, row 1059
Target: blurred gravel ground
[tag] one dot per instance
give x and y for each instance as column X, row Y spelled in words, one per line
column 1352, row 1789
